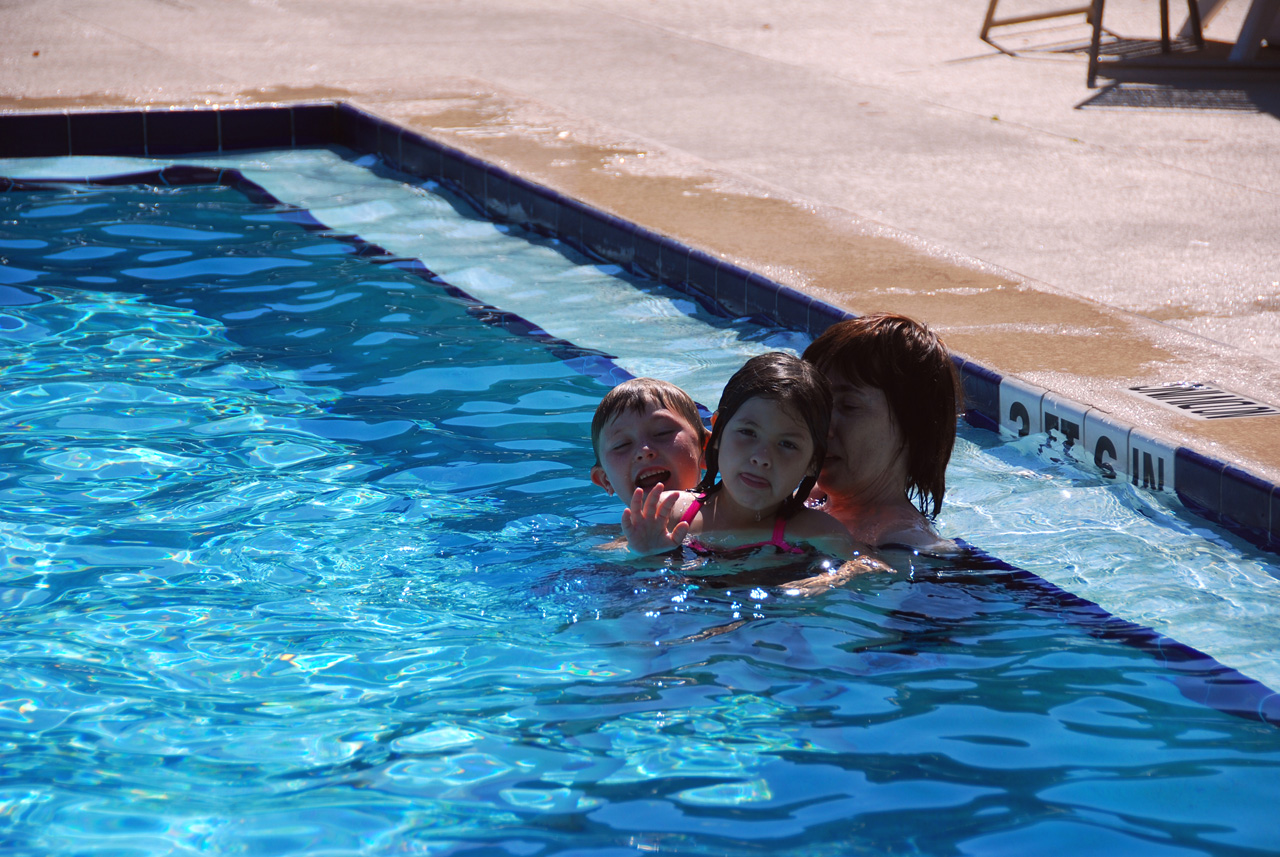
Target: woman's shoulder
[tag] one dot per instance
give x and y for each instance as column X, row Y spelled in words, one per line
column 814, row 522
column 918, row 535
column 822, row 531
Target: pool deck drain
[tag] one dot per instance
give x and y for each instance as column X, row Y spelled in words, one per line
column 767, row 189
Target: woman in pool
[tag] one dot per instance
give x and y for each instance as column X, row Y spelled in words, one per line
column 768, row 439
column 893, row 427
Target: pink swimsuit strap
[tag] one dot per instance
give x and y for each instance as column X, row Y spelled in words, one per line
column 779, row 528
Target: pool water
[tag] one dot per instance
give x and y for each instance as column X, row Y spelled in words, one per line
column 300, row 557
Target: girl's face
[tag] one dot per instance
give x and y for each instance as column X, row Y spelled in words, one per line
column 765, row 451
column 866, row 458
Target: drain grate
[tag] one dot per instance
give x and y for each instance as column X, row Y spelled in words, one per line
column 1203, row 401
column 1122, row 96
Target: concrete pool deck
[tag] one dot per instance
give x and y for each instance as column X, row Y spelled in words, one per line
column 877, row 155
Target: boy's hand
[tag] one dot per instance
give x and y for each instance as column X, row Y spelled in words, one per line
column 644, row 522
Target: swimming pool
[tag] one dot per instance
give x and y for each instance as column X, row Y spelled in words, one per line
column 304, row 563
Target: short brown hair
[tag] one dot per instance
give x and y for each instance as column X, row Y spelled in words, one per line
column 906, row 361
column 638, row 395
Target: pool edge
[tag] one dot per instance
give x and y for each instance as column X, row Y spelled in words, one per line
column 1234, row 497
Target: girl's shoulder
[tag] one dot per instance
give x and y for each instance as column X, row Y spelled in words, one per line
column 685, row 500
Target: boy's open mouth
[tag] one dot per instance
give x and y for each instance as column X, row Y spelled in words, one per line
column 650, row 478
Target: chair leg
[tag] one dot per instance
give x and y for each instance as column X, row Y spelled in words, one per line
column 1095, row 16
column 1193, row 17
column 991, row 16
column 1165, row 44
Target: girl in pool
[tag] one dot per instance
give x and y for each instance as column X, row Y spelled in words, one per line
column 768, row 440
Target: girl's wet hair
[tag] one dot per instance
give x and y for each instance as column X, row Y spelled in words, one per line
column 637, row 395
column 794, row 385
column 906, row 361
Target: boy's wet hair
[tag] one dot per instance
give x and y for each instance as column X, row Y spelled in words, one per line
column 791, row 382
column 907, row 362
column 642, row 394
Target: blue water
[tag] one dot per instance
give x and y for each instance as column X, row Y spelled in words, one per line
column 299, row 557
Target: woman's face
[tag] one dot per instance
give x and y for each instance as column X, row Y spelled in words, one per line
column 866, row 455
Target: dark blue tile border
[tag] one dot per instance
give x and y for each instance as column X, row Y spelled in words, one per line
column 31, row 135
column 1246, row 505
column 254, row 127
column 1229, row 496
column 113, row 133
column 181, row 132
column 981, row 394
column 1198, row 481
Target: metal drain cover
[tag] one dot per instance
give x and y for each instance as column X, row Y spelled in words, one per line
column 1204, row 401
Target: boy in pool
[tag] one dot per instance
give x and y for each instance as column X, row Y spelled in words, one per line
column 646, row 432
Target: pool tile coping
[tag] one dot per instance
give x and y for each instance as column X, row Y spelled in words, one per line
column 1218, row 491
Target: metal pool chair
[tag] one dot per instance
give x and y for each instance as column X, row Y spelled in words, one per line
column 992, row 21
column 1166, row 44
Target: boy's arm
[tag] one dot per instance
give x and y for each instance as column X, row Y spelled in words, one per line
column 645, row 522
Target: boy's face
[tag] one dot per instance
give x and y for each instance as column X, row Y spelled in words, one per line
column 641, row 449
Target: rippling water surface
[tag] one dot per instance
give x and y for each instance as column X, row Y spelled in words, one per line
column 299, row 557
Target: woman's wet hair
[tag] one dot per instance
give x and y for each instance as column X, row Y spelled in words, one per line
column 906, row 361
column 637, row 395
column 793, row 384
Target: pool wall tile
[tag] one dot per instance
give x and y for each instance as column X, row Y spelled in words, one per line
column 793, row 308
column 315, row 124
column 544, row 211
column 1107, row 443
column 1274, row 542
column 673, row 263
column 646, row 253
column 701, row 272
column 355, row 129
column 1020, row 412
column 419, row 157
column 761, row 295
column 569, row 219
column 1198, row 480
column 822, row 315
column 1245, row 507
column 731, row 287
column 390, row 140
column 1063, row 419
column 497, row 193
column 1151, row 462
column 117, row 132
column 981, row 394
column 181, row 132
column 255, row 128
column 609, row 237
column 29, row 135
